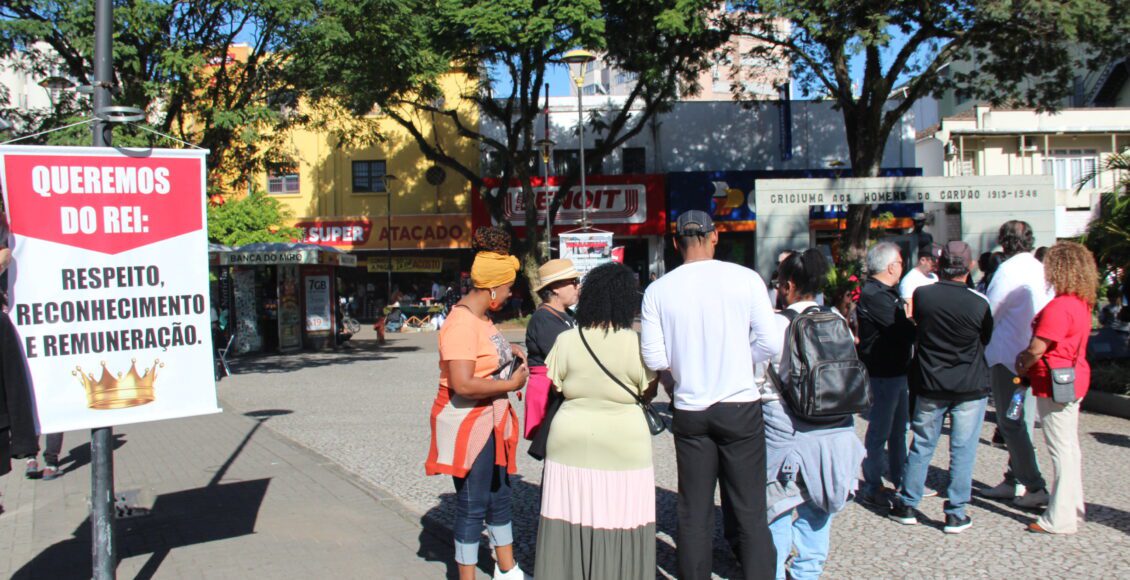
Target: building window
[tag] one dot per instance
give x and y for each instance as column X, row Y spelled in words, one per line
column 282, row 180
column 1072, row 168
column 565, row 162
column 368, row 176
column 635, row 160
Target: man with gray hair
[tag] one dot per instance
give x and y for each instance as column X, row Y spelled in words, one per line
column 885, row 339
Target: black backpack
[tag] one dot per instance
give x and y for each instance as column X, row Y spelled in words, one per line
column 827, row 382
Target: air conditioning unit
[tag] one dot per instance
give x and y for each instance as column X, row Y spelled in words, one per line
column 1027, row 148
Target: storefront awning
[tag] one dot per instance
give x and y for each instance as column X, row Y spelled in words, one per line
column 273, row 253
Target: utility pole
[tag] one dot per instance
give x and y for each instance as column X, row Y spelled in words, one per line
column 104, row 546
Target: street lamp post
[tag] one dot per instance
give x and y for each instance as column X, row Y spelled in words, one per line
column 581, row 57
column 546, row 147
column 388, row 230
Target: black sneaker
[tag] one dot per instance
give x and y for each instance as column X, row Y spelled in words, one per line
column 875, row 500
column 903, row 514
column 956, row 525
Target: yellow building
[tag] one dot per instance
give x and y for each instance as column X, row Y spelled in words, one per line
column 387, row 196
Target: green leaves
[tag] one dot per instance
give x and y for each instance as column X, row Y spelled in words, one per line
column 249, row 219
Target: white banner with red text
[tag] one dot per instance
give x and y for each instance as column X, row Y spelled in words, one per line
column 108, row 285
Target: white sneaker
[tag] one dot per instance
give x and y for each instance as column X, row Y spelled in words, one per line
column 1004, row 490
column 1032, row 499
column 514, row 573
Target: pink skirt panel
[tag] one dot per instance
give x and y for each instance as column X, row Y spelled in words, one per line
column 606, row 500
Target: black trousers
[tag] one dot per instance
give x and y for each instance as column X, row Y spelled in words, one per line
column 724, row 443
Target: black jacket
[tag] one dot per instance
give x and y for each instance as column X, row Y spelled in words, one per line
column 541, row 333
column 885, row 334
column 954, row 325
column 17, row 421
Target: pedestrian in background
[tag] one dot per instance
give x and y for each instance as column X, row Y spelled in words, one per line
column 811, row 468
column 51, row 450
column 1017, row 293
column 949, row 376
column 559, row 289
column 708, row 322
column 1059, row 342
column 598, row 489
column 886, row 336
column 474, row 428
column 922, row 274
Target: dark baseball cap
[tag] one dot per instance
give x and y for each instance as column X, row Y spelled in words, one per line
column 930, row 250
column 956, row 253
column 694, row 223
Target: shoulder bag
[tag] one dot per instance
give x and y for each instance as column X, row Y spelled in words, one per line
column 1062, row 381
column 655, row 422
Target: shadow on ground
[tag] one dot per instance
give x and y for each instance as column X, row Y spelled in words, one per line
column 351, row 353
column 216, row 511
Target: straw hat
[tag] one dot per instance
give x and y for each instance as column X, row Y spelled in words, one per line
column 555, row 271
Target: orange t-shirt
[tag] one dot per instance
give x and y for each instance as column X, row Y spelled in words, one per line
column 461, row 426
column 465, row 336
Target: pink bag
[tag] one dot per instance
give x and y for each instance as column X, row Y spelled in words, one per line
column 537, row 397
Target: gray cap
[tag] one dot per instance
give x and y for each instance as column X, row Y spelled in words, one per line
column 694, row 223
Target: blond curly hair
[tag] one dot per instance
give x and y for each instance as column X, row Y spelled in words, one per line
column 1070, row 268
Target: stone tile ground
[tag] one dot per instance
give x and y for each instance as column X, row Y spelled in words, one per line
column 331, row 485
column 367, row 410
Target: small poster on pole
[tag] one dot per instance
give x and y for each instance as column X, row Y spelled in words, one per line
column 587, row 250
column 108, row 285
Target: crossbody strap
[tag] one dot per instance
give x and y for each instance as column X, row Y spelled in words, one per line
column 634, row 395
column 554, row 312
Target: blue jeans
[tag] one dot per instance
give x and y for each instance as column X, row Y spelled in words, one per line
column 965, row 435
column 886, row 426
column 810, row 533
column 483, row 495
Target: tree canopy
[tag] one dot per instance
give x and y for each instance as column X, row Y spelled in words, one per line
column 394, row 55
column 1024, row 54
column 174, row 59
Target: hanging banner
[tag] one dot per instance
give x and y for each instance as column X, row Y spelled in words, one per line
column 587, row 250
column 319, row 316
column 108, row 286
column 290, row 310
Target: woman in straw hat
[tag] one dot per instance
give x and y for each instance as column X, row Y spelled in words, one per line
column 474, row 428
column 558, row 288
column 598, row 489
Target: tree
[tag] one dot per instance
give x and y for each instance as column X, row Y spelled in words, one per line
column 1023, row 54
column 253, row 218
column 395, row 55
column 175, row 60
column 1108, row 235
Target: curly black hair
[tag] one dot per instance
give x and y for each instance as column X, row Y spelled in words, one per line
column 610, row 298
column 491, row 239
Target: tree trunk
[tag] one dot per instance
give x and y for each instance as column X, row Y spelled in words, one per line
column 866, row 157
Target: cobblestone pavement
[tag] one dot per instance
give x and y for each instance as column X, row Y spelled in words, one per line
column 229, row 499
column 367, row 410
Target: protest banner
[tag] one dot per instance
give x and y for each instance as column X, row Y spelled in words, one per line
column 587, row 250
column 108, row 286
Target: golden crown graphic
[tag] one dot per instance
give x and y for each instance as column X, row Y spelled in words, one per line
column 121, row 392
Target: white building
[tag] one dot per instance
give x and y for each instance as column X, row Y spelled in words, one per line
column 28, row 91
column 1071, row 145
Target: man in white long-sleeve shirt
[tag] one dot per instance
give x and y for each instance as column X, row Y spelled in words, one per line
column 1017, row 293
column 708, row 322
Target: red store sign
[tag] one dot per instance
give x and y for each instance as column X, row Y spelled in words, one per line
column 622, row 204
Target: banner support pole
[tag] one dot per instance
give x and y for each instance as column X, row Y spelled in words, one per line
column 104, row 545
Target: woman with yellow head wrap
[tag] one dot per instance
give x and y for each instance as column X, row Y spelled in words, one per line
column 474, row 428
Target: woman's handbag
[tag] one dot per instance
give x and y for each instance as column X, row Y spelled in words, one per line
column 1063, row 382
column 655, row 422
column 541, row 436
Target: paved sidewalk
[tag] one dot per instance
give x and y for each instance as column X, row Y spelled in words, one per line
column 229, row 498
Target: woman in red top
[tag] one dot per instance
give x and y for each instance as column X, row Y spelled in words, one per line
column 1059, row 341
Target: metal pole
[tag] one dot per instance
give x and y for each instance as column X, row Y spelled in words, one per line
column 388, row 230
column 581, row 147
column 104, row 547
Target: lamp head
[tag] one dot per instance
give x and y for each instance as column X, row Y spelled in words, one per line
column 55, row 82
column 578, row 56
